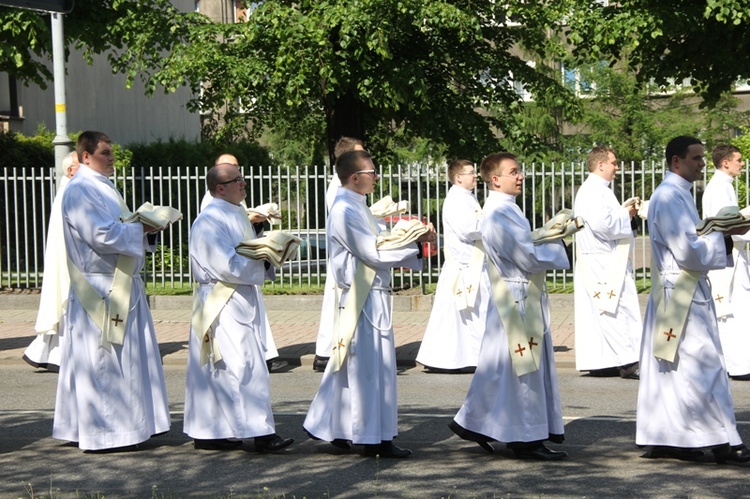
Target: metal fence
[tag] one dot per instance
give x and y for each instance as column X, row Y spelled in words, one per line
column 300, row 191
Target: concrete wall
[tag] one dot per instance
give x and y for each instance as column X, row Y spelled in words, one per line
column 98, row 100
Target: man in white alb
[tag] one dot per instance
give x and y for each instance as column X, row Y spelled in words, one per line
column 730, row 287
column 272, row 353
column 684, row 402
column 227, row 392
column 357, row 402
column 44, row 351
column 513, row 397
column 323, row 344
column 454, row 332
column 110, row 392
column 608, row 323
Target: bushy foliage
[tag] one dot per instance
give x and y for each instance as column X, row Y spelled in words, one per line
column 185, row 153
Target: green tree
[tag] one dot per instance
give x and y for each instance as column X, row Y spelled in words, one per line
column 707, row 41
column 362, row 67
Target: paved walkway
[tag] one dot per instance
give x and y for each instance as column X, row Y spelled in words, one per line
column 294, row 325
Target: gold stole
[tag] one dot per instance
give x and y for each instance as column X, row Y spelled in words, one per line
column 205, row 314
column 345, row 319
column 466, row 281
column 525, row 334
column 722, row 287
column 606, row 295
column 110, row 316
column 669, row 323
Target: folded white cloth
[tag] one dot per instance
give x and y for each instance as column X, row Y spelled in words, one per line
column 275, row 246
column 643, row 210
column 562, row 225
column 158, row 217
column 387, row 207
column 403, row 233
column 729, row 217
column 269, row 210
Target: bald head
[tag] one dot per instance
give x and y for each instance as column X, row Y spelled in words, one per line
column 70, row 164
column 226, row 158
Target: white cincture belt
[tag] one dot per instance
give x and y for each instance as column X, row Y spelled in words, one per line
column 605, row 293
column 204, row 316
column 110, row 316
column 524, row 334
column 671, row 315
column 467, row 279
column 345, row 318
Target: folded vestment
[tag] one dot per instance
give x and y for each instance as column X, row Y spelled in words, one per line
column 269, row 210
column 403, row 233
column 562, row 225
column 275, row 246
column 387, row 207
column 729, row 217
column 158, row 217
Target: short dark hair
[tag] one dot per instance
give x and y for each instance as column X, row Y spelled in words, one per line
column 88, row 141
column 349, row 163
column 346, row 144
column 455, row 167
column 213, row 178
column 722, row 152
column 678, row 146
column 491, row 163
column 599, row 153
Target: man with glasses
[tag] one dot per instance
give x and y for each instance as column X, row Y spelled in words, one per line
column 608, row 322
column 323, row 344
column 730, row 287
column 110, row 392
column 227, row 392
column 513, row 397
column 454, row 332
column 257, row 220
column 356, row 402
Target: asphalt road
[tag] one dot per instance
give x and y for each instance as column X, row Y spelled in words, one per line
column 600, row 431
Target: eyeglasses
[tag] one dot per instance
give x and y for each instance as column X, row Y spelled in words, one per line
column 513, row 174
column 468, row 173
column 369, row 172
column 238, row 180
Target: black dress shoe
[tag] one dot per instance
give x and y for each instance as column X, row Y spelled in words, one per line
column 735, row 454
column 320, row 363
column 276, row 365
column 630, row 371
column 486, row 446
column 113, row 450
column 540, row 453
column 272, row 443
column 217, row 444
column 340, row 443
column 681, row 453
column 386, row 449
column 740, row 377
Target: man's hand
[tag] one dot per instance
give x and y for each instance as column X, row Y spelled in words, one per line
column 429, row 236
column 256, row 217
column 632, row 210
column 148, row 229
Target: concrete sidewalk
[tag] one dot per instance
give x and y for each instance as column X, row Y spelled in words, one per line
column 294, row 322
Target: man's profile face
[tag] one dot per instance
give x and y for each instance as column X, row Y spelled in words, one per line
column 231, row 186
column 733, row 165
column 364, row 181
column 510, row 177
column 103, row 159
column 691, row 166
column 467, row 177
column 610, row 167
